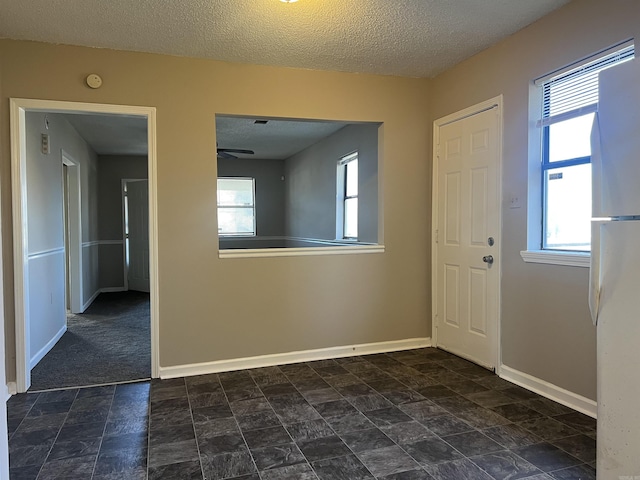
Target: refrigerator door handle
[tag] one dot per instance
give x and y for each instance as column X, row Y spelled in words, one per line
column 594, row 272
column 596, row 168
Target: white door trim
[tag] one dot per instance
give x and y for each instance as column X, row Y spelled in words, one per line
column 495, row 102
column 18, row 109
column 75, row 232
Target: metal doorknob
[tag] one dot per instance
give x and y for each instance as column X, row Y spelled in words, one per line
column 488, row 259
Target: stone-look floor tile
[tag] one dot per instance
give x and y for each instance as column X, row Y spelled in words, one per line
column 232, row 442
column 207, row 378
column 382, row 386
column 168, row 453
column 322, row 448
column 436, row 391
column 342, row 468
column 78, row 468
column 417, row 381
column 457, row 469
column 366, row 403
column 350, row 423
column 24, row 473
column 101, row 391
column 419, row 474
column 548, row 428
column 29, row 424
column 257, row 421
column 200, row 400
column 128, row 441
column 467, row 387
column 309, row 430
column 444, row 425
column 432, row 451
column 169, row 392
column 489, row 398
column 204, row 388
column 511, row 436
column 387, row 416
column 51, row 408
column 422, row 410
column 321, row 396
column 516, row 412
column 279, row 389
column 579, row 446
column 31, row 438
column 481, row 418
column 252, row 405
column 363, row 440
column 519, row 393
column 343, row 380
column 297, row 414
column 387, row 461
column 577, row 420
column 74, row 448
column 278, row 456
column 120, row 461
column 547, row 457
column 335, row 409
column 402, row 396
column 119, row 426
column 80, row 432
column 505, row 465
column 228, row 465
column 455, row 404
column 177, row 471
column 357, row 389
column 472, row 443
column 309, row 384
column 206, row 414
column 267, row 436
column 406, row 432
column 580, row 472
column 28, row 456
column 547, row 407
column 139, row 473
column 215, row 428
column 58, row 396
column 301, row 471
column 244, row 393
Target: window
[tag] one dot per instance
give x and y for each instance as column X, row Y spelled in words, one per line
column 569, row 103
column 236, row 207
column 347, row 205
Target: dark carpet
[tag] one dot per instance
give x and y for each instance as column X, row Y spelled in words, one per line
column 109, row 343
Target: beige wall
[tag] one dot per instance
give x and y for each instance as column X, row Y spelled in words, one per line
column 212, row 309
column 546, row 328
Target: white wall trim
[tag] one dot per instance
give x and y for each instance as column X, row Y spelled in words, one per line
column 112, row 289
column 550, row 391
column 568, row 259
column 17, row 112
column 292, row 357
column 300, row 252
column 91, row 299
column 46, row 253
column 98, row 292
column 50, row 344
column 95, row 243
column 12, row 388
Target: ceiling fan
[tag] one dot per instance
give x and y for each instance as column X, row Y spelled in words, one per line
column 228, row 152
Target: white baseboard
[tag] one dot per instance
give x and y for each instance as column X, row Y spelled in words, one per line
column 50, row 344
column 292, row 357
column 550, row 391
column 98, row 292
column 12, row 388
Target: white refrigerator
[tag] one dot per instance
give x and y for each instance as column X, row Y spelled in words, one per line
column 614, row 297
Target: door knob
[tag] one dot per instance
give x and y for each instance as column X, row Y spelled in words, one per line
column 488, row 259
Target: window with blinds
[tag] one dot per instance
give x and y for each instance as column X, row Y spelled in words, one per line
column 569, row 101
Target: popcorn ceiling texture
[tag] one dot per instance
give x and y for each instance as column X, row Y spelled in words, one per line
column 417, row 38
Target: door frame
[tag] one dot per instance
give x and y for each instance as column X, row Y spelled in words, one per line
column 495, row 102
column 74, row 224
column 18, row 109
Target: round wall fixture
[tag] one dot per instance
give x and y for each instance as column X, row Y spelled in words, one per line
column 94, row 80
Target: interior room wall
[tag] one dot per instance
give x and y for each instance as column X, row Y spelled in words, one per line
column 311, row 184
column 215, row 309
column 546, row 327
column 269, row 191
column 112, row 169
column 46, row 249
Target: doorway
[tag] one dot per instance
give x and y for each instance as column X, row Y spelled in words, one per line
column 467, row 233
column 22, row 279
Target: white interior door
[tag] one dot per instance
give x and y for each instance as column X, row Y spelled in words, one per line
column 467, row 259
column 137, row 234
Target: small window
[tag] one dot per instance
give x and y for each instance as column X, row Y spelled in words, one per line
column 236, row 207
column 347, row 205
column 569, row 103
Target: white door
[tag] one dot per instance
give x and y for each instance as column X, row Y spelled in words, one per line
column 467, row 236
column 137, row 234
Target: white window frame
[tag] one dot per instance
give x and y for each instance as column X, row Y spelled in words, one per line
column 252, row 207
column 341, row 197
column 541, row 120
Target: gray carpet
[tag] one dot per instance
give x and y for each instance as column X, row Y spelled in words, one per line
column 109, row 343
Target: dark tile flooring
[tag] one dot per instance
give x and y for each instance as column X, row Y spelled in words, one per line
column 418, row 414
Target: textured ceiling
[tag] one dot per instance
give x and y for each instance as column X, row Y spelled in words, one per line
column 112, row 134
column 418, row 38
column 275, row 140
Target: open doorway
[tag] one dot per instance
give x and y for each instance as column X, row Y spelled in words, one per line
column 69, row 234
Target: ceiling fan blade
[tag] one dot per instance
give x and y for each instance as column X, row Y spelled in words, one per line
column 222, row 154
column 236, row 150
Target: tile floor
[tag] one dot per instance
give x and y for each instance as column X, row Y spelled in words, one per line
column 418, row 414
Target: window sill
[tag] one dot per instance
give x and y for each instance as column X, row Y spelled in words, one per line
column 299, row 252
column 549, row 257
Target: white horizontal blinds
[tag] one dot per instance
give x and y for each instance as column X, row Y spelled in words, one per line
column 575, row 92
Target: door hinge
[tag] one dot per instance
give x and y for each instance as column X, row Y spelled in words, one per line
column 436, row 236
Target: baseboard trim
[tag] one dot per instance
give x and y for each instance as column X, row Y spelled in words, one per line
column 12, row 388
column 98, row 292
column 112, row 289
column 50, row 344
column 550, row 391
column 292, row 357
